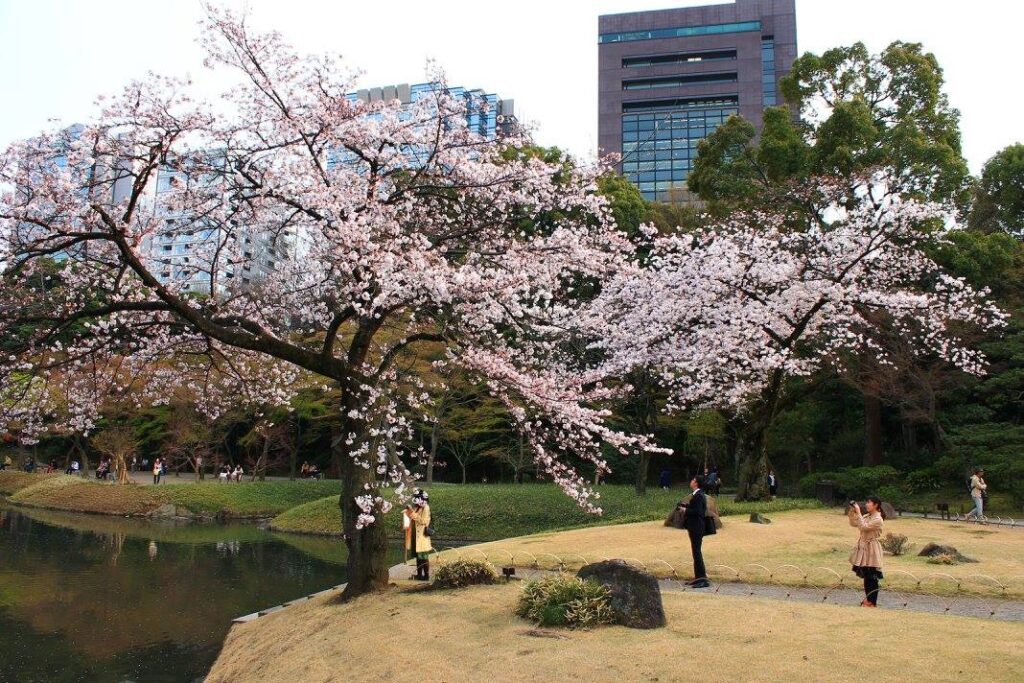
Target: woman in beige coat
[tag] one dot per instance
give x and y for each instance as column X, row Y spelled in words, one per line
column 419, row 514
column 866, row 557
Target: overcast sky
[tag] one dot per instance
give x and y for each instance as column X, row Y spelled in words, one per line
column 57, row 55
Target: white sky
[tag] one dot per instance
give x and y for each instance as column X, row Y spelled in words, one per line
column 57, row 55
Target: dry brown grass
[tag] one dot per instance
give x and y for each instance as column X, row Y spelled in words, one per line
column 815, row 541
column 471, row 635
column 12, row 481
column 75, row 493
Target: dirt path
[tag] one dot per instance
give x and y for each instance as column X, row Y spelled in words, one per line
column 961, row 606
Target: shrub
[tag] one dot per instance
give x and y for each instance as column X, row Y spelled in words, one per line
column 942, row 559
column 896, row 544
column 565, row 601
column 854, row 482
column 462, row 573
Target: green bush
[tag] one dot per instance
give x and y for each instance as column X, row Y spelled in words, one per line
column 565, row 601
column 462, row 573
column 853, row 482
column 921, row 481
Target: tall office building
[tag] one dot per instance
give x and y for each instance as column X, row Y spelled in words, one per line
column 669, row 78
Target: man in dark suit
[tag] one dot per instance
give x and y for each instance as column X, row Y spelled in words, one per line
column 693, row 520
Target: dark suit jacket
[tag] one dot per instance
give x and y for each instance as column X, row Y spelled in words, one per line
column 695, row 513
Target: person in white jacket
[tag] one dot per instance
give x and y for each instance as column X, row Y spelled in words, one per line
column 978, row 487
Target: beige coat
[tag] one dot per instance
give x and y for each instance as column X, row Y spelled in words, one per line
column 868, row 551
column 420, row 521
column 978, row 485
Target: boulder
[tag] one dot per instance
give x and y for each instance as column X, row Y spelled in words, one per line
column 888, row 511
column 635, row 594
column 758, row 518
column 935, row 550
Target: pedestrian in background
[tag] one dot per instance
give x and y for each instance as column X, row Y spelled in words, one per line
column 773, row 484
column 866, row 557
column 978, row 488
column 158, row 470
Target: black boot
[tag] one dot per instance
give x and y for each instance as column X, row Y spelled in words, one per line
column 419, row 570
column 426, row 570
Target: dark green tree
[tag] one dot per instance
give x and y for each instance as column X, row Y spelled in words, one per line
column 999, row 196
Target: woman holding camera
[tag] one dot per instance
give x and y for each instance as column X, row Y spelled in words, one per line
column 419, row 514
column 867, row 554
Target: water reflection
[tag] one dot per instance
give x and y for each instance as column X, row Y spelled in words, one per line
column 103, row 599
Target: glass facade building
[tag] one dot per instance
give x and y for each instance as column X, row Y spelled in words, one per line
column 668, row 78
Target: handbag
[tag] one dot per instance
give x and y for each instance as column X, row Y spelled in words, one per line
column 709, row 526
column 428, row 532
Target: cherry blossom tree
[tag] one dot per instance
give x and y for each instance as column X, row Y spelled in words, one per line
column 391, row 226
column 726, row 315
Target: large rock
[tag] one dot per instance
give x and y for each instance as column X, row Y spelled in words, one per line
column 758, row 518
column 935, row 550
column 635, row 594
column 888, row 511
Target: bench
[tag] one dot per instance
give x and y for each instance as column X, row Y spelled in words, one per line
column 943, row 509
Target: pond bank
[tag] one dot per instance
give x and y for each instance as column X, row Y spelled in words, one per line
column 197, row 501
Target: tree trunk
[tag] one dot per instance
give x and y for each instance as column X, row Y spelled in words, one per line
column 433, row 452
column 909, row 439
column 873, row 430
column 463, row 472
column 640, row 485
column 368, row 567
column 752, row 472
column 85, row 457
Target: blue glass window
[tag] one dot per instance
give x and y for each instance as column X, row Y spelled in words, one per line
column 769, row 96
column 680, row 32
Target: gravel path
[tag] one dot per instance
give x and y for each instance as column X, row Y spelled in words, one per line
column 961, row 606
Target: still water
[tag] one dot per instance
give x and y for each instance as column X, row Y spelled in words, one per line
column 90, row 599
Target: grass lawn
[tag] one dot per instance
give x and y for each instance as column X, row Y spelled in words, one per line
column 484, row 512
column 472, row 635
column 244, row 500
column 813, row 541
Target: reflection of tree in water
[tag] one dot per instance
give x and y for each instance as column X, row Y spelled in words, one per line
column 110, row 598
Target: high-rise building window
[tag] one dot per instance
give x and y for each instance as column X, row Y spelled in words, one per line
column 770, row 98
column 659, row 139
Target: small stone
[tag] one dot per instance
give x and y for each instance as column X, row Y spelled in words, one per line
column 758, row 518
column 635, row 594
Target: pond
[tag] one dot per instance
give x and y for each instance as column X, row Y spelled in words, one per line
column 108, row 600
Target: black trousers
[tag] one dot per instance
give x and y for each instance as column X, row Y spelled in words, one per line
column 871, row 589
column 696, row 538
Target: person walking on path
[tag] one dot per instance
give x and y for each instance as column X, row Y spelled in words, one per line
column 419, row 515
column 773, row 484
column 978, row 488
column 693, row 519
column 158, row 470
column 666, row 479
column 866, row 557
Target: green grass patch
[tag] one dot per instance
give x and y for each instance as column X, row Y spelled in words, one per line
column 487, row 512
column 248, row 499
